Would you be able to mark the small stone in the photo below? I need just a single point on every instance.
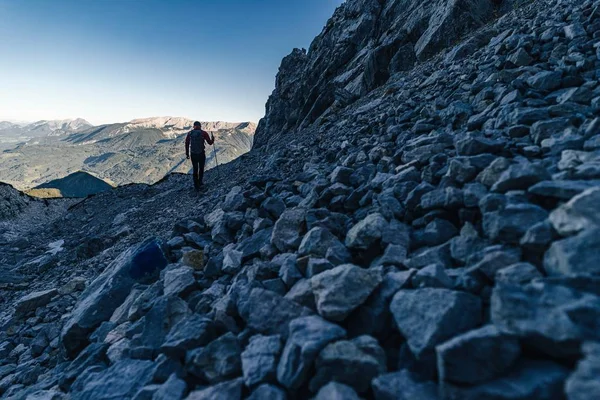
(229, 390)
(545, 80)
(403, 385)
(575, 255)
(74, 285)
(179, 281)
(191, 332)
(173, 389)
(218, 361)
(428, 317)
(194, 258)
(34, 300)
(342, 289)
(564, 190)
(367, 232)
(307, 336)
(574, 31)
(579, 214)
(530, 379)
(517, 274)
(232, 260)
(583, 384)
(433, 276)
(477, 356)
(269, 313)
(316, 242)
(351, 362)
(274, 207)
(512, 222)
(546, 311)
(287, 230)
(520, 58)
(269, 392)
(260, 358)
(336, 391)
(520, 177)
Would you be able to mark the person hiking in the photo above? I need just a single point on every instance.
(194, 148)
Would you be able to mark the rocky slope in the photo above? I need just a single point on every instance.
(436, 239)
(365, 43)
(142, 151)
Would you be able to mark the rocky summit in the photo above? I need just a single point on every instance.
(418, 219)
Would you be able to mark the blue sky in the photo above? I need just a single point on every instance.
(115, 60)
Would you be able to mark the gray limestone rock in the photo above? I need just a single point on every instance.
(307, 336)
(549, 314)
(575, 255)
(477, 356)
(260, 358)
(336, 391)
(583, 384)
(269, 313)
(366, 232)
(340, 290)
(218, 361)
(428, 317)
(351, 362)
(579, 214)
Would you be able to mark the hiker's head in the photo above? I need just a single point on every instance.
(197, 125)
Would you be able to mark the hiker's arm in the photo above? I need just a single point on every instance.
(208, 139)
(187, 146)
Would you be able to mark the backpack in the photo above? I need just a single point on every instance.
(196, 142)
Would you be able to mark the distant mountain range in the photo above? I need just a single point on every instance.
(11, 132)
(139, 151)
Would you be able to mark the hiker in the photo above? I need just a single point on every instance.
(194, 148)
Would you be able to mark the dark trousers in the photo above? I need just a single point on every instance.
(198, 161)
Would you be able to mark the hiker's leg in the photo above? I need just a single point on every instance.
(195, 166)
(201, 161)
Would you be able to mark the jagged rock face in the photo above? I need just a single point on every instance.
(447, 251)
(362, 45)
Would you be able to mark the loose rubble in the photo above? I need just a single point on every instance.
(426, 227)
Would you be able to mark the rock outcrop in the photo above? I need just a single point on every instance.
(362, 45)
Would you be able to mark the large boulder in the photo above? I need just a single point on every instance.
(140, 263)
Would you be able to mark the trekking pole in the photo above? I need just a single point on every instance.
(216, 159)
